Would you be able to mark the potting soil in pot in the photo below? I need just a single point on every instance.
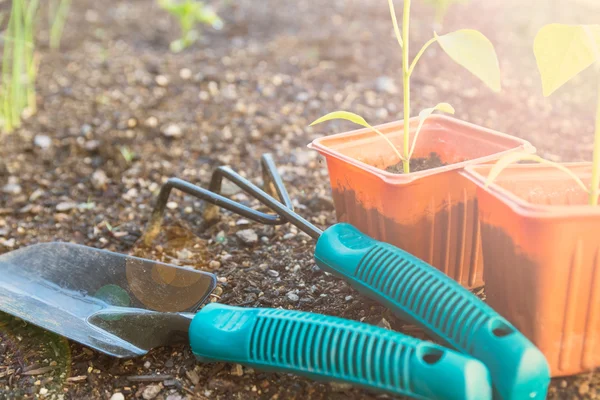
(418, 164)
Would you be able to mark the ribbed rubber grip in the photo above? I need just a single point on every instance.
(421, 294)
(329, 348)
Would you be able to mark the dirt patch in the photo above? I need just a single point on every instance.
(418, 164)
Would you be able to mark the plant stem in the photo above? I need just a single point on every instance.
(406, 84)
(419, 54)
(595, 189)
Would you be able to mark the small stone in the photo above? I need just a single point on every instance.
(384, 324)
(117, 396)
(584, 388)
(132, 123)
(288, 236)
(247, 236)
(65, 206)
(386, 84)
(43, 391)
(171, 205)
(85, 129)
(12, 187)
(172, 131)
(161, 80)
(193, 376)
(292, 296)
(36, 195)
(220, 384)
(151, 391)
(169, 363)
(340, 387)
(92, 145)
(151, 122)
(273, 273)
(237, 370)
(185, 73)
(563, 384)
(174, 396)
(214, 264)
(348, 298)
(147, 364)
(42, 141)
(99, 180)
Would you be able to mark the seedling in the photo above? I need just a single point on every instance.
(188, 14)
(562, 52)
(467, 47)
(127, 154)
(19, 65)
(58, 19)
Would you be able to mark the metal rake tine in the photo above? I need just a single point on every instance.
(216, 201)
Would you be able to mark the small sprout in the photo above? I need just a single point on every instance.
(58, 18)
(562, 52)
(108, 226)
(88, 205)
(188, 14)
(467, 47)
(127, 154)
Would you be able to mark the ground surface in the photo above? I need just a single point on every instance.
(250, 88)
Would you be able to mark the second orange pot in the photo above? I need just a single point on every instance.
(541, 250)
(429, 213)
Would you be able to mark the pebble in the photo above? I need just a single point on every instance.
(151, 122)
(42, 141)
(288, 236)
(92, 145)
(117, 396)
(292, 296)
(185, 73)
(247, 236)
(99, 180)
(172, 131)
(237, 370)
(193, 376)
(584, 388)
(273, 273)
(174, 396)
(65, 206)
(147, 364)
(43, 391)
(214, 264)
(172, 205)
(348, 298)
(386, 84)
(12, 187)
(161, 80)
(384, 324)
(339, 386)
(151, 391)
(36, 195)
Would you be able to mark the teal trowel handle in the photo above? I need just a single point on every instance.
(417, 292)
(335, 349)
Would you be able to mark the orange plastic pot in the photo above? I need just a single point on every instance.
(541, 249)
(428, 213)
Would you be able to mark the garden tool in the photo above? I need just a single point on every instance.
(411, 288)
(124, 306)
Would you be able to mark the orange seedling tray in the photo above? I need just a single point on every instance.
(541, 250)
(430, 213)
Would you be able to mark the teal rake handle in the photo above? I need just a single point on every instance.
(419, 293)
(334, 349)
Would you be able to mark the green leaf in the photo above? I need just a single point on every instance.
(357, 119)
(472, 50)
(444, 107)
(395, 23)
(563, 51)
(512, 158)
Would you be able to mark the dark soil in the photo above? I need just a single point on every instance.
(114, 89)
(418, 164)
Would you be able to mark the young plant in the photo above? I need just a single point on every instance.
(562, 52)
(58, 18)
(19, 64)
(467, 47)
(189, 13)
